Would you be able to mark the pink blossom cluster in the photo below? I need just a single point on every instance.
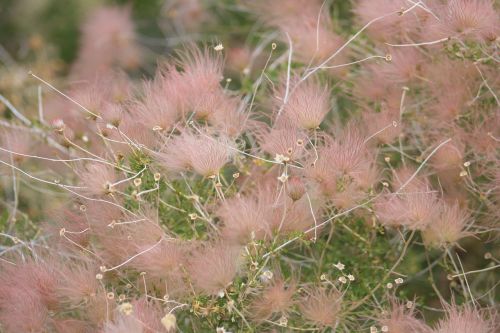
(180, 198)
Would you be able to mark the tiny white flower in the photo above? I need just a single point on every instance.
(342, 279)
(399, 281)
(283, 321)
(340, 266)
(350, 277)
(266, 276)
(389, 285)
(169, 322)
(126, 308)
(279, 158)
(283, 178)
(219, 47)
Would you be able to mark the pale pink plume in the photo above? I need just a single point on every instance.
(142, 230)
(73, 221)
(390, 25)
(403, 67)
(209, 154)
(108, 40)
(275, 299)
(466, 320)
(97, 94)
(205, 103)
(384, 125)
(164, 266)
(453, 85)
(98, 179)
(133, 133)
(40, 279)
(112, 114)
(174, 157)
(413, 182)
(99, 308)
(202, 153)
(372, 85)
(27, 293)
(149, 314)
(295, 216)
(322, 307)
(78, 283)
(285, 141)
(309, 27)
(17, 142)
(213, 267)
(229, 119)
(115, 245)
(482, 139)
(415, 210)
(341, 161)
(307, 105)
(24, 312)
(465, 19)
(401, 319)
(244, 219)
(348, 194)
(448, 162)
(414, 206)
(99, 215)
(202, 70)
(448, 227)
(160, 107)
(313, 43)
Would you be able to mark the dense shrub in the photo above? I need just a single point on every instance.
(308, 166)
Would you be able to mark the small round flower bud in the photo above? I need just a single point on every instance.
(296, 188)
